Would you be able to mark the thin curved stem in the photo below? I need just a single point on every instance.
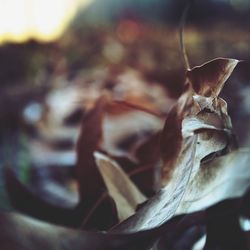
(181, 36)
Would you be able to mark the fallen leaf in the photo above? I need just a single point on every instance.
(124, 192)
(222, 178)
(19, 232)
(187, 138)
(209, 78)
(147, 175)
(163, 205)
(89, 179)
(125, 125)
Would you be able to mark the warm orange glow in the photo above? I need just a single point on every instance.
(44, 20)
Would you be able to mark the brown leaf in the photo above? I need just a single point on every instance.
(171, 137)
(147, 175)
(124, 192)
(20, 232)
(163, 205)
(126, 125)
(89, 179)
(209, 78)
(148, 151)
(117, 107)
(189, 136)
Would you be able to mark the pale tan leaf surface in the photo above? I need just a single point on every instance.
(164, 204)
(124, 192)
(193, 124)
(212, 134)
(225, 177)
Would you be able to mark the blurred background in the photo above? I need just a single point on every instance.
(58, 56)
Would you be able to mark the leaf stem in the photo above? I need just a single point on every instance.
(181, 36)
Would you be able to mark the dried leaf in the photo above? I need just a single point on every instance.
(89, 179)
(126, 125)
(19, 232)
(209, 78)
(148, 151)
(188, 137)
(225, 177)
(148, 175)
(117, 106)
(124, 192)
(212, 135)
(171, 138)
(163, 205)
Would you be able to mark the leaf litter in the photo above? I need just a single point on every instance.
(147, 168)
(197, 167)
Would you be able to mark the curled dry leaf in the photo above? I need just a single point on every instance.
(88, 212)
(163, 205)
(209, 78)
(213, 137)
(19, 232)
(124, 192)
(189, 136)
(195, 127)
